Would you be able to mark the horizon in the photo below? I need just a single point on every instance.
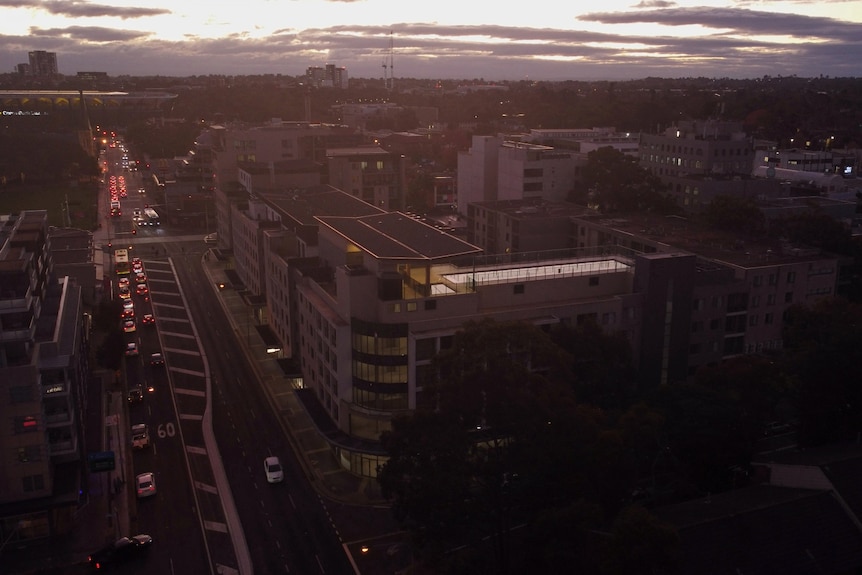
(737, 39)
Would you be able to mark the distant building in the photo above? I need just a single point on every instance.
(43, 63)
(329, 77)
(495, 168)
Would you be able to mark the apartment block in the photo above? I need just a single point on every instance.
(42, 63)
(495, 168)
(43, 370)
(277, 143)
(369, 173)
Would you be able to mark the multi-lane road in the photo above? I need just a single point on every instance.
(210, 429)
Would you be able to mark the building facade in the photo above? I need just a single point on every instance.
(369, 173)
(42, 63)
(43, 370)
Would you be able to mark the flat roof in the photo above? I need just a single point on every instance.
(302, 205)
(395, 235)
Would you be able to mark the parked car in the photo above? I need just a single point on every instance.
(123, 549)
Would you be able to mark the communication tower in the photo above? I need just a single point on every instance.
(389, 65)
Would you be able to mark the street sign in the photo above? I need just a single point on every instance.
(101, 461)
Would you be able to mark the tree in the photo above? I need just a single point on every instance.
(823, 355)
(505, 440)
(602, 364)
(615, 182)
(736, 214)
(816, 229)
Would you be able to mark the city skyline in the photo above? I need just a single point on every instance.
(614, 40)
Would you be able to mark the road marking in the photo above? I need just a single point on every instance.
(188, 371)
(191, 417)
(215, 526)
(197, 450)
(204, 487)
(194, 392)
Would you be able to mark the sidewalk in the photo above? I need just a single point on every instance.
(326, 474)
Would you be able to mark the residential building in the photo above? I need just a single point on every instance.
(369, 173)
(528, 225)
(495, 168)
(235, 145)
(43, 63)
(43, 368)
(329, 77)
(698, 148)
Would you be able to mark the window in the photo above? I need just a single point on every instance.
(770, 299)
(518, 289)
(33, 483)
(755, 301)
(696, 326)
(767, 319)
(425, 348)
(758, 281)
(26, 424)
(752, 320)
(773, 279)
(791, 277)
(714, 324)
(21, 393)
(788, 297)
(430, 304)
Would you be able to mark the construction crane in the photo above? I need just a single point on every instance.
(389, 65)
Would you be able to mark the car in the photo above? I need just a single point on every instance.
(138, 268)
(136, 394)
(142, 289)
(145, 484)
(156, 359)
(140, 278)
(272, 468)
(123, 282)
(125, 292)
(140, 436)
(211, 238)
(123, 549)
(142, 191)
(129, 326)
(128, 304)
(148, 319)
(131, 349)
(137, 261)
(127, 314)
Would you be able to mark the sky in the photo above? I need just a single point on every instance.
(441, 39)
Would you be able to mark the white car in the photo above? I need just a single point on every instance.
(146, 484)
(273, 469)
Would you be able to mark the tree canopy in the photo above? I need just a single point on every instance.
(615, 182)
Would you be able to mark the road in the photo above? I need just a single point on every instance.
(198, 523)
(286, 525)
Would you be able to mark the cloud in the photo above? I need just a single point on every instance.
(97, 34)
(654, 4)
(739, 20)
(740, 45)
